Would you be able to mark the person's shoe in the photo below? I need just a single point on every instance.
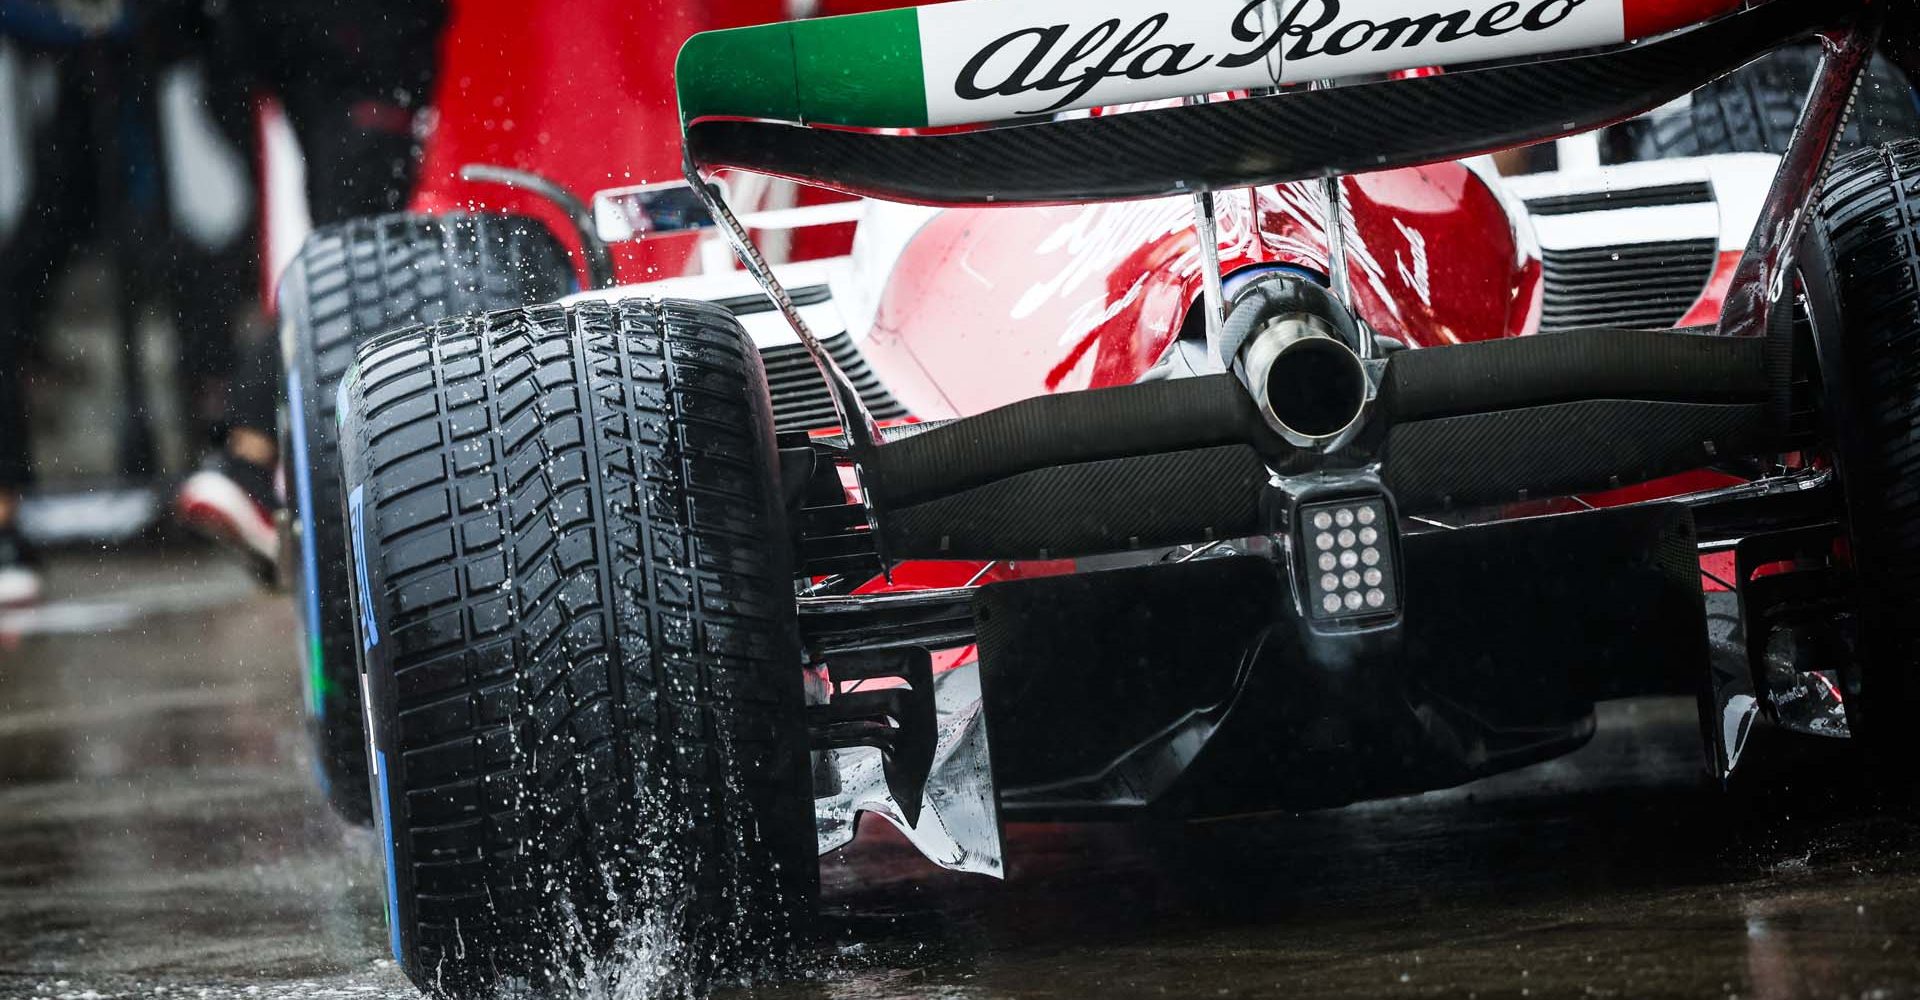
(19, 570)
(233, 502)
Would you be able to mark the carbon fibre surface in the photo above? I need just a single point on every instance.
(1172, 415)
(1212, 493)
(1105, 506)
(1584, 364)
(1265, 140)
(1046, 432)
(1564, 448)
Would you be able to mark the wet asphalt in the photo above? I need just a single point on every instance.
(160, 836)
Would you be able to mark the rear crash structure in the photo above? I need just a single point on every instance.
(622, 655)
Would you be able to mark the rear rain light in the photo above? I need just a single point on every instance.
(1348, 555)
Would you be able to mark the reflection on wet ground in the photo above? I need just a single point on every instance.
(159, 836)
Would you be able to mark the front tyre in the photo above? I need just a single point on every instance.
(574, 592)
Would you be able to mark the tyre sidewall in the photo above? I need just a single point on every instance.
(329, 671)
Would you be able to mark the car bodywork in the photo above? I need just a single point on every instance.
(1049, 537)
(1126, 546)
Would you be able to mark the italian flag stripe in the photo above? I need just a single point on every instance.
(995, 60)
(859, 69)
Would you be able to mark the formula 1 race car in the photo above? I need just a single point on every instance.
(1209, 455)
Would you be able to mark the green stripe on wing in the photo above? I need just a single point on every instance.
(860, 69)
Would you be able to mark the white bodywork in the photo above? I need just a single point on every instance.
(1739, 182)
(856, 281)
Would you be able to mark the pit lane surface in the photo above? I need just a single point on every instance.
(160, 837)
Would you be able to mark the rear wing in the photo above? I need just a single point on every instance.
(990, 60)
(756, 98)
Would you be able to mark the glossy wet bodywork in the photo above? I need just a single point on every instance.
(159, 831)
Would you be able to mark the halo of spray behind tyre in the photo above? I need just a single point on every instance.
(574, 590)
(348, 283)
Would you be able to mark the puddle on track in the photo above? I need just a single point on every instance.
(160, 837)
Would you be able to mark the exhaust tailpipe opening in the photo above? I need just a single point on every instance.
(1316, 388)
(1310, 386)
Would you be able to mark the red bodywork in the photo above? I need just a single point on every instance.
(580, 93)
(991, 305)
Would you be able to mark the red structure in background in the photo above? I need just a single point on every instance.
(581, 93)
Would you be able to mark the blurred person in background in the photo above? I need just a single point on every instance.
(49, 175)
(133, 123)
(353, 77)
(122, 126)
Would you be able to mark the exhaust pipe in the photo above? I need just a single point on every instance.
(1309, 385)
(1292, 345)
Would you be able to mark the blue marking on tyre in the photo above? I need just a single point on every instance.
(356, 513)
(315, 675)
(384, 820)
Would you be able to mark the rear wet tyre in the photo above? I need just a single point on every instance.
(1754, 110)
(1868, 228)
(575, 593)
(348, 283)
